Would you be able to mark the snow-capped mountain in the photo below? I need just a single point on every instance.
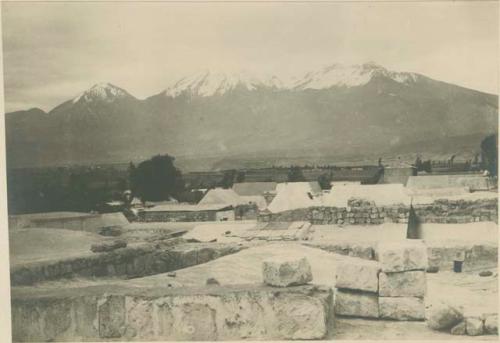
(102, 91)
(338, 75)
(337, 110)
(208, 83)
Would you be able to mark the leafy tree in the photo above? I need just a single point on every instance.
(156, 179)
(489, 154)
(295, 174)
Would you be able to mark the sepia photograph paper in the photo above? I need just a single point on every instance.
(258, 171)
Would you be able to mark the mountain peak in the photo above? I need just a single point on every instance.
(208, 83)
(103, 91)
(340, 75)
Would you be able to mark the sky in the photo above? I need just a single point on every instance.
(54, 51)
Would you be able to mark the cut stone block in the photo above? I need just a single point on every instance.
(474, 326)
(284, 272)
(356, 304)
(403, 284)
(402, 256)
(357, 274)
(458, 329)
(442, 316)
(491, 324)
(111, 316)
(402, 308)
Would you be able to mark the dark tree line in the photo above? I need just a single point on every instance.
(156, 179)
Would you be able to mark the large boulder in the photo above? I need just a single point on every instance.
(356, 304)
(474, 326)
(401, 256)
(284, 272)
(442, 316)
(491, 324)
(357, 274)
(404, 284)
(402, 308)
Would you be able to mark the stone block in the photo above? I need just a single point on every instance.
(474, 326)
(356, 304)
(402, 308)
(442, 316)
(357, 274)
(111, 316)
(491, 324)
(284, 272)
(402, 256)
(402, 284)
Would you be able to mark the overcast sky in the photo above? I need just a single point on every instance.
(53, 51)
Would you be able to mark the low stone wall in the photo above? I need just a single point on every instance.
(128, 262)
(393, 287)
(68, 221)
(254, 312)
(441, 211)
(439, 254)
(177, 216)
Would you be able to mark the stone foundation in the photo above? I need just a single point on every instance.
(126, 262)
(214, 313)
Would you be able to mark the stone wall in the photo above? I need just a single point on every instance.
(253, 312)
(365, 213)
(439, 255)
(126, 262)
(177, 216)
(68, 221)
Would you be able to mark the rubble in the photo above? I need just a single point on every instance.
(474, 326)
(442, 316)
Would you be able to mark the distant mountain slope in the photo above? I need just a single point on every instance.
(336, 111)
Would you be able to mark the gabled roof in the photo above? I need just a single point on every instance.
(293, 195)
(254, 188)
(382, 195)
(230, 197)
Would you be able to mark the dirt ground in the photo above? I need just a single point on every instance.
(37, 244)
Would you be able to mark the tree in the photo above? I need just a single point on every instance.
(489, 154)
(156, 179)
(295, 174)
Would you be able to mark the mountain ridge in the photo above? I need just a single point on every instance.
(361, 109)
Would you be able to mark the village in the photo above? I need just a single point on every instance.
(268, 260)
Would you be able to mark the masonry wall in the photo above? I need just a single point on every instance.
(253, 312)
(127, 262)
(178, 216)
(364, 213)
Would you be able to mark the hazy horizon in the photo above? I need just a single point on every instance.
(54, 51)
